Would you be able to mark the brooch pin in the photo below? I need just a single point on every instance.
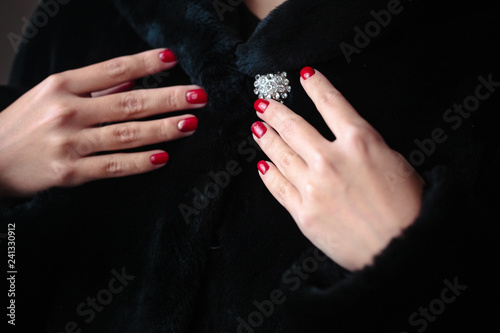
(275, 86)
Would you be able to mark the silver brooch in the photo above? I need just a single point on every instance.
(275, 86)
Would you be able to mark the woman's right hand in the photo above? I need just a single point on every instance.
(50, 136)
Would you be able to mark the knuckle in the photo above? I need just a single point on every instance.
(274, 113)
(55, 82)
(114, 167)
(359, 139)
(132, 104)
(268, 142)
(306, 221)
(330, 97)
(165, 129)
(135, 166)
(65, 149)
(116, 68)
(84, 147)
(65, 174)
(124, 134)
(320, 162)
(61, 113)
(282, 189)
(173, 99)
(310, 190)
(314, 193)
(289, 126)
(150, 64)
(288, 158)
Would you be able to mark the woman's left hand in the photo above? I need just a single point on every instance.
(350, 197)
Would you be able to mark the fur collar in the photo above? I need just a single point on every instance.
(282, 41)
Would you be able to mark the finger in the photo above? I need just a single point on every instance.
(337, 112)
(118, 165)
(113, 72)
(289, 163)
(293, 129)
(135, 134)
(281, 189)
(141, 103)
(127, 86)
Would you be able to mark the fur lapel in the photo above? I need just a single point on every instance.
(282, 41)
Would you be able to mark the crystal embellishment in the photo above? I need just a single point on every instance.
(275, 86)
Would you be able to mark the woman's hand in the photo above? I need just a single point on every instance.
(342, 194)
(50, 135)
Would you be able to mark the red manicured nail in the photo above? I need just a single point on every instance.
(188, 125)
(196, 96)
(261, 105)
(259, 129)
(167, 56)
(159, 159)
(307, 72)
(263, 167)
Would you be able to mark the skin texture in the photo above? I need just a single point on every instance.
(341, 194)
(49, 136)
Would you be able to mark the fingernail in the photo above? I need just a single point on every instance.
(188, 124)
(263, 167)
(259, 129)
(307, 72)
(159, 159)
(196, 96)
(261, 105)
(167, 56)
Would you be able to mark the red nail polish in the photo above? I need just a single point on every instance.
(261, 105)
(196, 96)
(259, 129)
(167, 56)
(188, 125)
(263, 167)
(307, 72)
(159, 159)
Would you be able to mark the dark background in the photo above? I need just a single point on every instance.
(11, 14)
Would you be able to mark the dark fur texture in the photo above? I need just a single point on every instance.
(202, 276)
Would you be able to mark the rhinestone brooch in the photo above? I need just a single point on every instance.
(275, 86)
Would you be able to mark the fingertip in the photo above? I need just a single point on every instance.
(160, 158)
(263, 167)
(187, 125)
(167, 56)
(261, 105)
(259, 129)
(307, 72)
(197, 96)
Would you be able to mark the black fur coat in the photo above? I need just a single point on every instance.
(200, 245)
